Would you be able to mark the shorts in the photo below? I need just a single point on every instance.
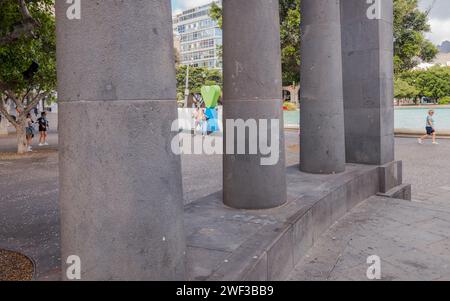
(430, 130)
(42, 129)
(29, 133)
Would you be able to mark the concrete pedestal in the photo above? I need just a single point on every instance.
(367, 52)
(252, 91)
(322, 142)
(120, 183)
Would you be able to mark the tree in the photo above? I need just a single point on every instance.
(216, 13)
(198, 77)
(410, 44)
(27, 58)
(433, 82)
(290, 40)
(403, 90)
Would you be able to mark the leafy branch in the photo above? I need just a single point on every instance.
(25, 27)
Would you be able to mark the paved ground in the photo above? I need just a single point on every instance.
(426, 167)
(29, 211)
(9, 143)
(411, 239)
(29, 219)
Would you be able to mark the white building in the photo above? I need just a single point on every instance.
(199, 37)
(442, 59)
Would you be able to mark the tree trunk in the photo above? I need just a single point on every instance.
(21, 139)
(3, 120)
(3, 126)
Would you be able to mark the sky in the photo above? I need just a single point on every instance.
(439, 20)
(439, 16)
(180, 5)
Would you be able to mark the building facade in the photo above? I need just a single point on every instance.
(199, 36)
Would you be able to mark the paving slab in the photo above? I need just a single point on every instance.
(412, 245)
(425, 166)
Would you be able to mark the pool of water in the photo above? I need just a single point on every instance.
(291, 118)
(415, 118)
(409, 118)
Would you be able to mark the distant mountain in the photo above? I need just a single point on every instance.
(445, 47)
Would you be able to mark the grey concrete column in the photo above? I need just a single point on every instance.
(367, 52)
(252, 91)
(322, 142)
(120, 183)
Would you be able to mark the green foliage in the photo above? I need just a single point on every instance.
(403, 90)
(433, 82)
(216, 14)
(444, 100)
(290, 40)
(289, 106)
(38, 46)
(27, 58)
(198, 77)
(410, 44)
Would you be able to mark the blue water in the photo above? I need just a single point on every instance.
(415, 118)
(291, 118)
(410, 118)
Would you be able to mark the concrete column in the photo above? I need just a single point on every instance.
(367, 53)
(252, 91)
(322, 142)
(120, 183)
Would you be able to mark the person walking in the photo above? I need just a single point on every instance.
(201, 118)
(431, 132)
(43, 128)
(29, 131)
